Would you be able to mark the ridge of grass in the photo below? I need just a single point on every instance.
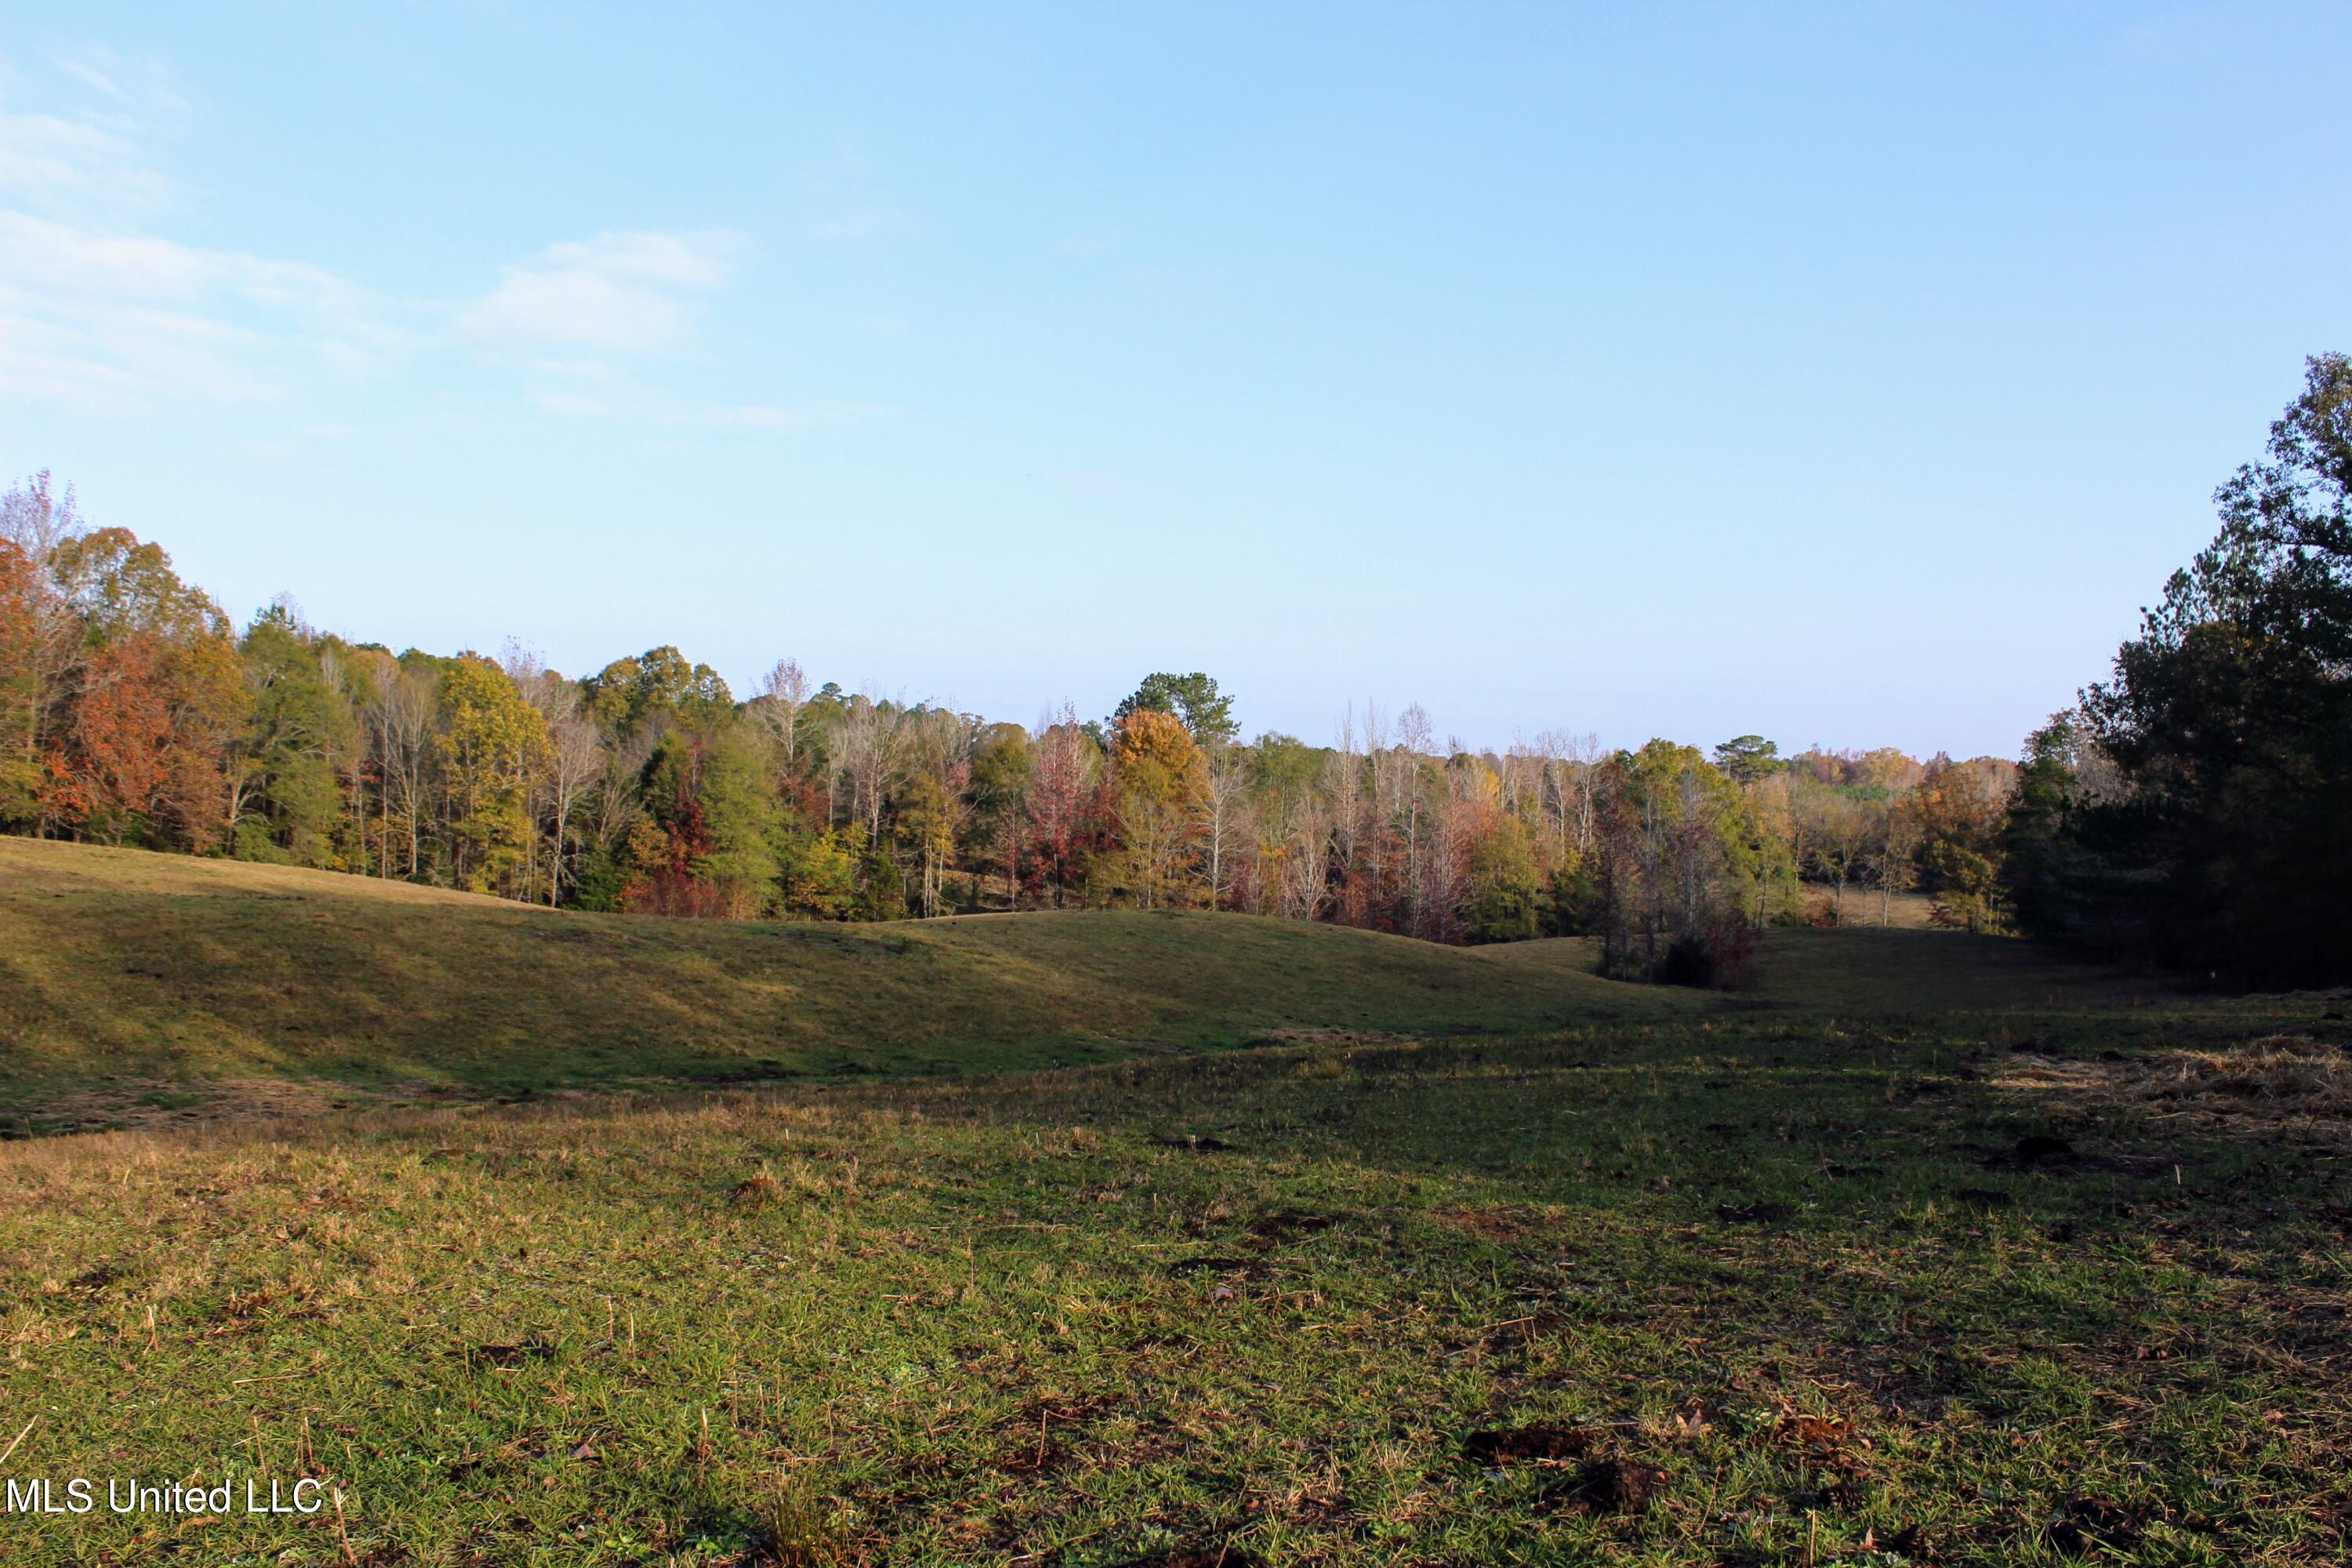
(130, 981)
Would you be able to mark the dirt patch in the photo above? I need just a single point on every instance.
(2089, 1523)
(152, 1103)
(1607, 1486)
(1218, 1556)
(1275, 1229)
(1818, 1433)
(759, 1191)
(1332, 1038)
(1529, 1446)
(1507, 1222)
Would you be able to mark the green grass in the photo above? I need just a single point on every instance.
(1050, 1319)
(1809, 1264)
(273, 990)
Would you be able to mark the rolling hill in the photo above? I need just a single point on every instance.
(136, 986)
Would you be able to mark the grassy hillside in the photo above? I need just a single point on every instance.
(1931, 1248)
(134, 985)
(1762, 1287)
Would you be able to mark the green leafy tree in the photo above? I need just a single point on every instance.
(489, 739)
(742, 821)
(659, 685)
(2225, 844)
(1193, 699)
(818, 875)
(296, 726)
(1749, 758)
(1000, 774)
(1505, 884)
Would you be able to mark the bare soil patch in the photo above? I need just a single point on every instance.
(149, 1103)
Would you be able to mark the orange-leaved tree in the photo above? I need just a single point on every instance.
(1162, 773)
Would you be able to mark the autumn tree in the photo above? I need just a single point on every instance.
(1062, 774)
(1206, 713)
(1002, 769)
(1671, 868)
(45, 636)
(1504, 884)
(489, 740)
(1841, 828)
(21, 687)
(1161, 774)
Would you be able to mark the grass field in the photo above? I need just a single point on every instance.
(136, 987)
(1934, 1250)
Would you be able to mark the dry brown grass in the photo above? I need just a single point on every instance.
(2274, 1078)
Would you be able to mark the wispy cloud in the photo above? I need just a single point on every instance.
(115, 323)
(92, 77)
(98, 312)
(620, 292)
(95, 314)
(846, 205)
(52, 160)
(805, 416)
(567, 392)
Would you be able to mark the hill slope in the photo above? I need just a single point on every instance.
(133, 983)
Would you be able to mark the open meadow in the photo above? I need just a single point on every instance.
(1167, 786)
(1930, 1249)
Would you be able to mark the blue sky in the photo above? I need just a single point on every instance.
(1850, 374)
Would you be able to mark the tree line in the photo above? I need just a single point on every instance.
(2193, 811)
(134, 712)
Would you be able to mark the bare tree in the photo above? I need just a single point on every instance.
(1158, 832)
(1306, 858)
(575, 760)
(1899, 834)
(1223, 801)
(36, 522)
(399, 717)
(783, 692)
(866, 751)
(1841, 829)
(1414, 737)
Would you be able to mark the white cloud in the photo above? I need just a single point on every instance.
(700, 261)
(569, 403)
(767, 416)
(97, 315)
(115, 323)
(98, 312)
(55, 159)
(90, 76)
(618, 292)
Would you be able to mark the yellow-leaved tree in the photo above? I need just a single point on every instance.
(491, 742)
(1162, 773)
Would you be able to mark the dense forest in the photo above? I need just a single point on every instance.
(2191, 811)
(2194, 810)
